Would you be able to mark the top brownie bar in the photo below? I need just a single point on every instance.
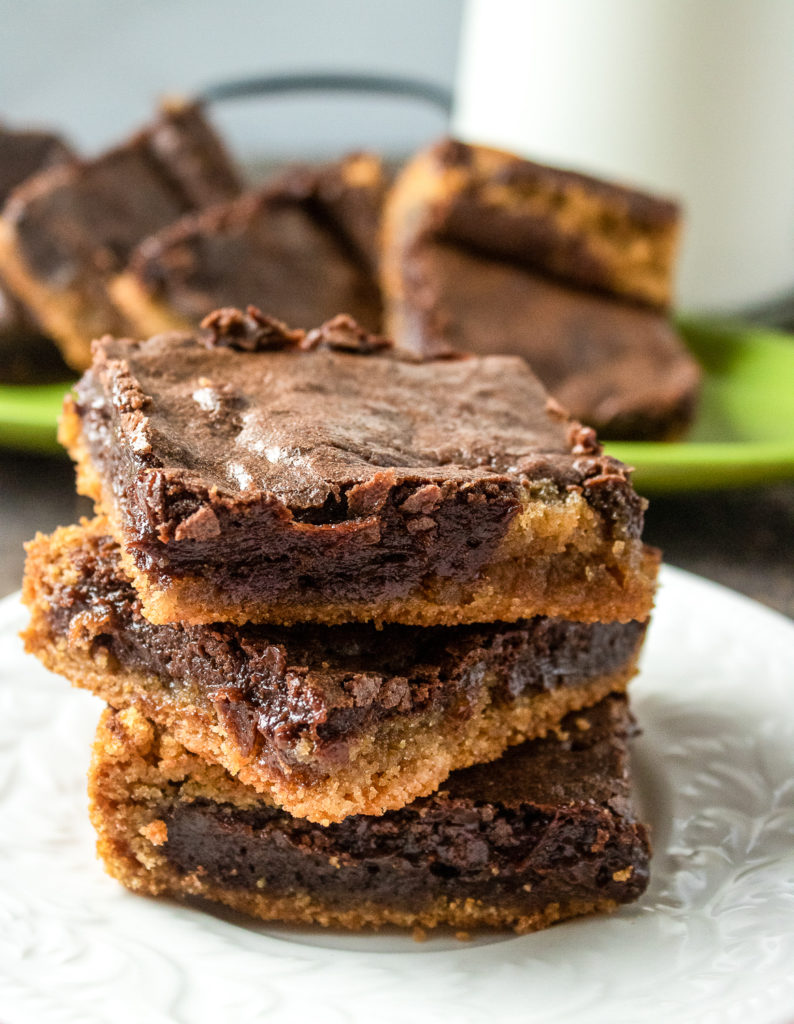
(254, 473)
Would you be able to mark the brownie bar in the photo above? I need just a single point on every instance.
(253, 473)
(586, 231)
(618, 367)
(302, 248)
(475, 259)
(546, 833)
(330, 720)
(24, 153)
(65, 232)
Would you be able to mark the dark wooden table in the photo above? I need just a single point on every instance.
(744, 539)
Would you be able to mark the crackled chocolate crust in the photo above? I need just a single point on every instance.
(330, 720)
(302, 248)
(486, 253)
(545, 833)
(259, 474)
(66, 231)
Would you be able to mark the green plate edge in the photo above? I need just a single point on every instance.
(743, 434)
(29, 416)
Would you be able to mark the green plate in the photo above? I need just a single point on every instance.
(29, 416)
(743, 434)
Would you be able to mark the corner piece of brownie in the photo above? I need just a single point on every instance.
(546, 833)
(253, 473)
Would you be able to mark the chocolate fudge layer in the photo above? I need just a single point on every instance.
(329, 720)
(302, 248)
(65, 232)
(253, 473)
(546, 833)
(24, 153)
(484, 252)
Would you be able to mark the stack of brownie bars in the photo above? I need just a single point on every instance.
(363, 621)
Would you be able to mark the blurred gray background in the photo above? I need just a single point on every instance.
(94, 68)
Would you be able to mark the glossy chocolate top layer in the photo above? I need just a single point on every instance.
(249, 407)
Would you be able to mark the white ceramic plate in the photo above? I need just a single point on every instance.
(712, 940)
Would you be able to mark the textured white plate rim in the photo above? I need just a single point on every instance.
(713, 939)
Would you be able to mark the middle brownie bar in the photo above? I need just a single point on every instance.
(328, 720)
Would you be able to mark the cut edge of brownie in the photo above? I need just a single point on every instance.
(620, 586)
(612, 580)
(168, 823)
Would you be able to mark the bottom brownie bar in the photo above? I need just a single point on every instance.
(545, 833)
